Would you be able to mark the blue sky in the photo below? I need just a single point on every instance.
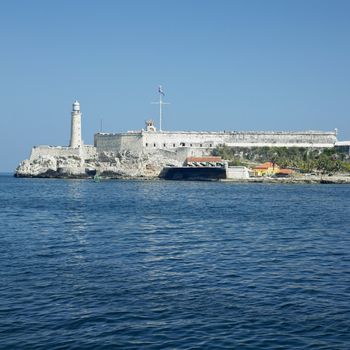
(224, 65)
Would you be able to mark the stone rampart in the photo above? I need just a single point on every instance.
(118, 142)
(180, 154)
(213, 139)
(86, 152)
(53, 151)
(89, 151)
(203, 142)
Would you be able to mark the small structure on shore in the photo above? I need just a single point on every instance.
(237, 173)
(266, 169)
(204, 161)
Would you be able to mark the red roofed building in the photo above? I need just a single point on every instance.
(204, 159)
(266, 169)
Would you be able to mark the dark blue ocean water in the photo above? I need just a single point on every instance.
(173, 265)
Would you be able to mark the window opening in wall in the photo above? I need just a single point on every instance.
(191, 144)
(154, 145)
(173, 144)
(211, 145)
(146, 144)
(182, 144)
(164, 145)
(200, 145)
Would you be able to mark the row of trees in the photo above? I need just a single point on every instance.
(305, 159)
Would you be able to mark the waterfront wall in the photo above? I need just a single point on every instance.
(237, 172)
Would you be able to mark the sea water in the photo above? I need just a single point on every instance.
(173, 265)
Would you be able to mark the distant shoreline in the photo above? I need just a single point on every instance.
(301, 179)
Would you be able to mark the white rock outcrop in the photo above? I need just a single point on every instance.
(106, 164)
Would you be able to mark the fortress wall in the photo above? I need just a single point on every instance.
(136, 143)
(180, 154)
(166, 140)
(323, 139)
(53, 151)
(118, 142)
(200, 143)
(87, 151)
(169, 140)
(280, 144)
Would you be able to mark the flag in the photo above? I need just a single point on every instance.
(160, 90)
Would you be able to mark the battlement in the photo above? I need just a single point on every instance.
(151, 141)
(85, 151)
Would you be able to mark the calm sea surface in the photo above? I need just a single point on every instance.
(173, 265)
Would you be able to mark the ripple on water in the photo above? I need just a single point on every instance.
(155, 265)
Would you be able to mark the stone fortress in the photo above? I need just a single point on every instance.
(146, 152)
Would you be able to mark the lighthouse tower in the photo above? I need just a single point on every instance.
(75, 136)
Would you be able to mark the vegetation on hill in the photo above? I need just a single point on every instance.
(305, 159)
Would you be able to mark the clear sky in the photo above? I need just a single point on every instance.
(224, 65)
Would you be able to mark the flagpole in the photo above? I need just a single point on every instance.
(160, 111)
(161, 103)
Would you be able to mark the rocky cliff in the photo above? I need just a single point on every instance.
(106, 164)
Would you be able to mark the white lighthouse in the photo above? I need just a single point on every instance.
(75, 136)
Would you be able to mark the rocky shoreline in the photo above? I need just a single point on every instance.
(107, 165)
(300, 179)
(334, 179)
(129, 166)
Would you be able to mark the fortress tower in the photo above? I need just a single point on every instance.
(75, 136)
